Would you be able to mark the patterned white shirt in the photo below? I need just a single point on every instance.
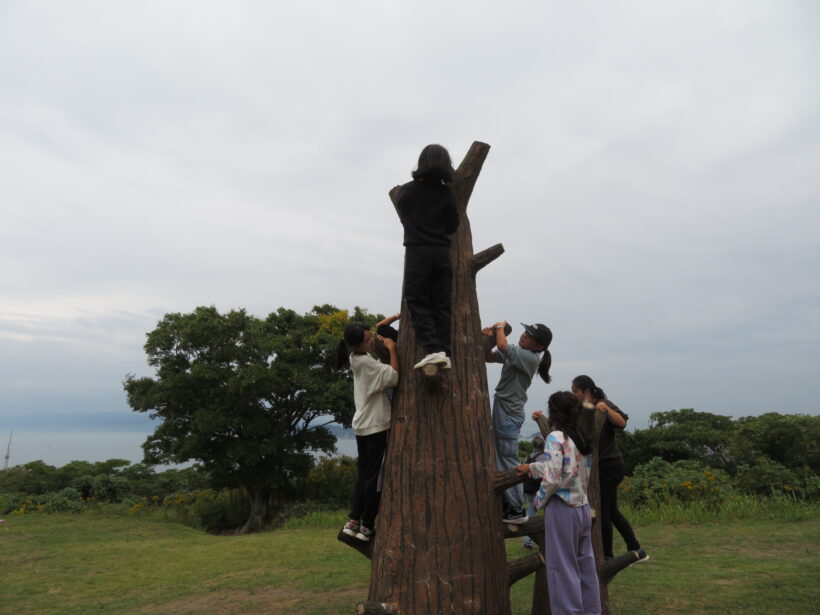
(564, 473)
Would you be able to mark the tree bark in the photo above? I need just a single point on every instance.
(524, 566)
(260, 499)
(439, 545)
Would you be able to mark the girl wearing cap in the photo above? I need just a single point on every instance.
(611, 467)
(521, 361)
(371, 420)
(571, 574)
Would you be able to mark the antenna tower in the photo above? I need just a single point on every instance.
(8, 452)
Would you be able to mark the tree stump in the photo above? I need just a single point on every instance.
(439, 545)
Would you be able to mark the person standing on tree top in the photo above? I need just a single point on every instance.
(521, 362)
(427, 209)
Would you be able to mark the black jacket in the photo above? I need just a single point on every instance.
(608, 452)
(427, 209)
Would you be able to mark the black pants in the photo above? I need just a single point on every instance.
(365, 503)
(610, 476)
(428, 282)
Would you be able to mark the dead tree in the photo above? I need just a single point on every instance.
(439, 545)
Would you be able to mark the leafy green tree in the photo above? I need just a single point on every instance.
(35, 477)
(790, 440)
(677, 435)
(247, 398)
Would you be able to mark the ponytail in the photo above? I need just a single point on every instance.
(585, 383)
(342, 356)
(544, 367)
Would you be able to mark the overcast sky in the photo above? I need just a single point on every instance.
(653, 177)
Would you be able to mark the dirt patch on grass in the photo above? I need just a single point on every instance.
(275, 601)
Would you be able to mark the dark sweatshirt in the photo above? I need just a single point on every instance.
(427, 209)
(608, 452)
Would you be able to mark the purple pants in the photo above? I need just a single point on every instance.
(571, 574)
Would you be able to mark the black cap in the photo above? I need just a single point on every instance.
(540, 333)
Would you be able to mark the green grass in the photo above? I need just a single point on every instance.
(112, 564)
(733, 508)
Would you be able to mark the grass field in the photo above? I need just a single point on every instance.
(108, 564)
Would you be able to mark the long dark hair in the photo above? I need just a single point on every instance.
(585, 383)
(434, 164)
(352, 337)
(564, 415)
(544, 367)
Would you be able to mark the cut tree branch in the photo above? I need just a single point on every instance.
(506, 478)
(468, 170)
(520, 568)
(376, 608)
(488, 341)
(394, 197)
(485, 257)
(534, 526)
(616, 564)
(365, 548)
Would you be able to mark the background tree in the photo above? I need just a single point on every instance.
(677, 435)
(791, 440)
(247, 398)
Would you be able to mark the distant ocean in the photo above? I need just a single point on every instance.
(59, 439)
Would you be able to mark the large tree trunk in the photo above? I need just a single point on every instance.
(439, 546)
(260, 500)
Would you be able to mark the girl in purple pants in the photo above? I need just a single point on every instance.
(571, 575)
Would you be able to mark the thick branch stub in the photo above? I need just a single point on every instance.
(394, 197)
(524, 566)
(505, 479)
(485, 257)
(365, 548)
(616, 564)
(488, 341)
(376, 608)
(533, 526)
(469, 170)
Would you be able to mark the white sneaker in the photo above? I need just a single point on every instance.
(437, 358)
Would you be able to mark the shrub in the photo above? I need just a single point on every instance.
(65, 500)
(683, 481)
(208, 510)
(330, 482)
(11, 501)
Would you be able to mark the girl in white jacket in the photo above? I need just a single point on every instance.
(371, 422)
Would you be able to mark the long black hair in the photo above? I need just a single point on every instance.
(352, 337)
(544, 366)
(434, 164)
(564, 415)
(585, 383)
